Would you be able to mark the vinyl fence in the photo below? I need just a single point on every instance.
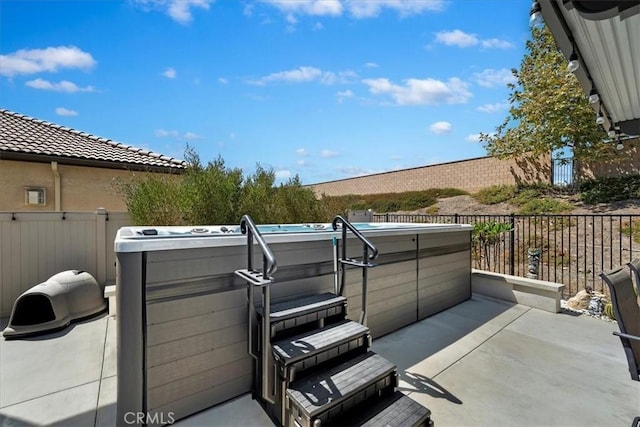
(36, 245)
(574, 248)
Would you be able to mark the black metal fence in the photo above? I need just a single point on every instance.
(575, 248)
(563, 172)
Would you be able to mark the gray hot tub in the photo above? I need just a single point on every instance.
(182, 313)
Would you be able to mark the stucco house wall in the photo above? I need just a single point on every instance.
(73, 170)
(80, 188)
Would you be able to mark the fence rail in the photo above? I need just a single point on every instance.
(575, 248)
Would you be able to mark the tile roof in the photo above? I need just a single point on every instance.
(26, 135)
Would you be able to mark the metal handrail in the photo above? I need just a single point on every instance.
(357, 233)
(367, 245)
(269, 266)
(248, 227)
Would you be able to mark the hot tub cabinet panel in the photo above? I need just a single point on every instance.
(182, 328)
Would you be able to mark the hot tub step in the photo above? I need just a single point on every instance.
(295, 312)
(325, 395)
(394, 410)
(310, 349)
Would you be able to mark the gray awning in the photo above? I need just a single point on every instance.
(606, 37)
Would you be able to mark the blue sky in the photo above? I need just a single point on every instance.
(326, 89)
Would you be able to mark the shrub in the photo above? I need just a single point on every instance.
(495, 194)
(612, 189)
(215, 194)
(486, 237)
(388, 202)
(525, 195)
(154, 199)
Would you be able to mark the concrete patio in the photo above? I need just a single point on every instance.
(483, 362)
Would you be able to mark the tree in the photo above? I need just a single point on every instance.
(216, 194)
(212, 191)
(549, 110)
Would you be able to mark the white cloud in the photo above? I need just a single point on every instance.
(317, 26)
(371, 65)
(497, 44)
(299, 75)
(223, 81)
(461, 39)
(302, 152)
(179, 10)
(291, 19)
(473, 137)
(359, 9)
(302, 163)
(440, 128)
(493, 108)
(163, 133)
(351, 171)
(61, 86)
(492, 78)
(61, 111)
(191, 136)
(169, 73)
(421, 92)
(329, 153)
(372, 8)
(309, 7)
(283, 174)
(342, 95)
(306, 74)
(457, 38)
(51, 59)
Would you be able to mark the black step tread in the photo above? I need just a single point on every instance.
(320, 391)
(394, 410)
(304, 305)
(307, 344)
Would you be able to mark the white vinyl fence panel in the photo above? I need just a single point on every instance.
(36, 245)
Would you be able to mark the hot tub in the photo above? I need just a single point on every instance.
(182, 313)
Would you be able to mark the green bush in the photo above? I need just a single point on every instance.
(215, 194)
(154, 199)
(525, 195)
(495, 194)
(612, 189)
(485, 238)
(388, 202)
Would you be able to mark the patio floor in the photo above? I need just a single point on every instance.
(483, 362)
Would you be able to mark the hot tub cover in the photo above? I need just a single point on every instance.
(54, 304)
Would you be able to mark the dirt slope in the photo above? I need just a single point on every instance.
(467, 205)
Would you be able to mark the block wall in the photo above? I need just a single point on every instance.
(470, 175)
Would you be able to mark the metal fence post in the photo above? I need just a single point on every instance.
(512, 244)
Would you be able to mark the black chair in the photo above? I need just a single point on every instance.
(634, 266)
(627, 312)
